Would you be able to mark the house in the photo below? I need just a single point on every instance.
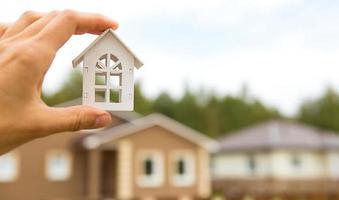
(277, 157)
(150, 157)
(108, 68)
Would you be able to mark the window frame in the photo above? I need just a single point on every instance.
(69, 158)
(106, 70)
(296, 160)
(155, 180)
(252, 164)
(189, 178)
(16, 158)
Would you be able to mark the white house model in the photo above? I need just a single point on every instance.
(108, 66)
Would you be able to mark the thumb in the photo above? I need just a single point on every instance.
(76, 118)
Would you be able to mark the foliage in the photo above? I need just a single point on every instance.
(322, 112)
(71, 89)
(207, 113)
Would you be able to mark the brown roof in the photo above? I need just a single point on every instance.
(279, 134)
(103, 136)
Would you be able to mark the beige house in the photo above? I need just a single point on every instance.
(277, 157)
(150, 157)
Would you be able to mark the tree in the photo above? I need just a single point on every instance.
(322, 112)
(142, 104)
(164, 104)
(71, 89)
(204, 111)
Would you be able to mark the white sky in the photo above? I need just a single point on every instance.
(284, 50)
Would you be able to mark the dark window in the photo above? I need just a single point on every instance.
(296, 161)
(148, 167)
(251, 164)
(181, 167)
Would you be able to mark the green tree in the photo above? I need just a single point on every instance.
(212, 118)
(322, 112)
(164, 104)
(189, 112)
(142, 104)
(204, 111)
(71, 89)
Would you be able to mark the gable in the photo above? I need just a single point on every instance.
(109, 44)
(156, 137)
(110, 33)
(106, 136)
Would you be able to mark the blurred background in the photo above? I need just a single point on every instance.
(258, 76)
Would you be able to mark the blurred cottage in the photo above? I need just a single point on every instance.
(278, 158)
(150, 157)
(154, 157)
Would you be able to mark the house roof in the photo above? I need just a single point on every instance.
(76, 61)
(125, 115)
(279, 134)
(107, 135)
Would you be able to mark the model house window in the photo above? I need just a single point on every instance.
(151, 172)
(252, 165)
(58, 165)
(9, 165)
(183, 168)
(108, 75)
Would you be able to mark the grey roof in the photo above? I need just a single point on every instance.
(279, 134)
(125, 115)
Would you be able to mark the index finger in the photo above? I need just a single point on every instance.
(68, 23)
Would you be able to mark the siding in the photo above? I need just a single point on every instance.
(276, 164)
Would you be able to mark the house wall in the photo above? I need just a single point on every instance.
(166, 143)
(312, 164)
(332, 158)
(229, 165)
(32, 183)
(275, 164)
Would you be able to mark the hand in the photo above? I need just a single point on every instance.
(27, 48)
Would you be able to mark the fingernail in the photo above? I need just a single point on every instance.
(102, 120)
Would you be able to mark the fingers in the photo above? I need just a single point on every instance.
(39, 24)
(76, 118)
(25, 20)
(67, 23)
(3, 28)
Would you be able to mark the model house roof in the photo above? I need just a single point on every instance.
(107, 135)
(279, 134)
(137, 62)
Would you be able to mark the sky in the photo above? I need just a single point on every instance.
(284, 51)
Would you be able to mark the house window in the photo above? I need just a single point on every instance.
(58, 165)
(183, 168)
(296, 161)
(108, 79)
(9, 164)
(150, 169)
(251, 163)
